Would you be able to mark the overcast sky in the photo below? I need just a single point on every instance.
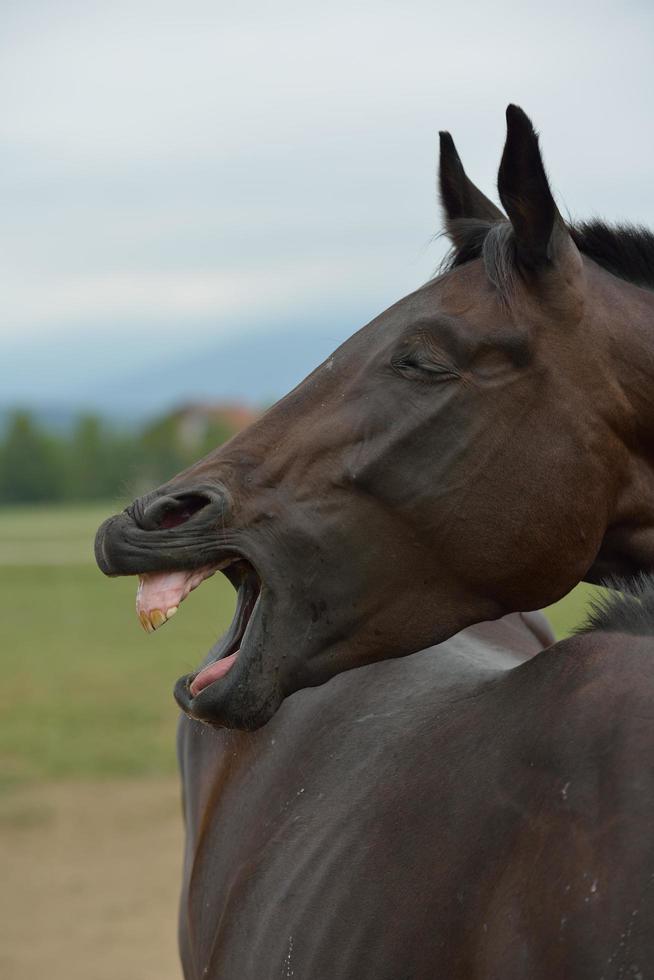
(172, 173)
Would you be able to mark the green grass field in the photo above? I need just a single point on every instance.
(85, 691)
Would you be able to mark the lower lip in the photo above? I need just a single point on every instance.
(212, 673)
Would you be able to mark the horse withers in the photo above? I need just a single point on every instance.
(475, 450)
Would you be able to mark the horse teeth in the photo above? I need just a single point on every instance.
(145, 622)
(157, 618)
(153, 620)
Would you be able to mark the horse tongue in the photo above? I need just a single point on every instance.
(212, 673)
(159, 594)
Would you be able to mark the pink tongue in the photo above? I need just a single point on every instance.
(212, 673)
(165, 590)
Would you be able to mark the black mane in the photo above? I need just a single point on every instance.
(627, 608)
(625, 250)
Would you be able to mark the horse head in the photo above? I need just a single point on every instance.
(478, 448)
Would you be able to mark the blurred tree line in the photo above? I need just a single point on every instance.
(94, 461)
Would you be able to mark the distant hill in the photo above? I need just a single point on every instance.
(250, 368)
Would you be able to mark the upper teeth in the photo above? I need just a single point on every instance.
(156, 618)
(160, 593)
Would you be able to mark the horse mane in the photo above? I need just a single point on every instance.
(627, 608)
(627, 251)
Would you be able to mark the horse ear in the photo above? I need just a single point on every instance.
(459, 196)
(525, 193)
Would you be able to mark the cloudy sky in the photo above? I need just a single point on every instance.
(179, 175)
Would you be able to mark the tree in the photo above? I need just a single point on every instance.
(30, 463)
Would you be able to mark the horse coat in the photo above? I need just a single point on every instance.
(477, 810)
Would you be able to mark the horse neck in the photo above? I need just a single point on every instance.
(631, 331)
(627, 314)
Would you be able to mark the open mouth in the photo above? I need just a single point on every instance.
(160, 594)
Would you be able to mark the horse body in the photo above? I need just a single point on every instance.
(475, 450)
(447, 815)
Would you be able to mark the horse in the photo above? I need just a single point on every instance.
(390, 770)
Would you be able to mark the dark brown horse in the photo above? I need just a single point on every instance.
(475, 450)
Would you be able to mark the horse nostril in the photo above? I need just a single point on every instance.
(182, 509)
(171, 511)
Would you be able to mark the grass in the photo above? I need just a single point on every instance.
(85, 692)
(58, 535)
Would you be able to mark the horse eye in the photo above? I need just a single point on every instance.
(417, 366)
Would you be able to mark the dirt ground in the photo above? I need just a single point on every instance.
(89, 879)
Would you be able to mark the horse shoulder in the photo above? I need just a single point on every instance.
(577, 874)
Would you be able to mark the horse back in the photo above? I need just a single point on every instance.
(449, 814)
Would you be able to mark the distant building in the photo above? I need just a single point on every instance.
(194, 423)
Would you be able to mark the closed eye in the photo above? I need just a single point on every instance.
(418, 366)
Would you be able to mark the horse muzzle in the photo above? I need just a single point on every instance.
(179, 530)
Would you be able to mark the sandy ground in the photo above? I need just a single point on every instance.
(89, 874)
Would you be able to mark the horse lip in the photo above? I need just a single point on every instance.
(251, 712)
(124, 548)
(102, 557)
